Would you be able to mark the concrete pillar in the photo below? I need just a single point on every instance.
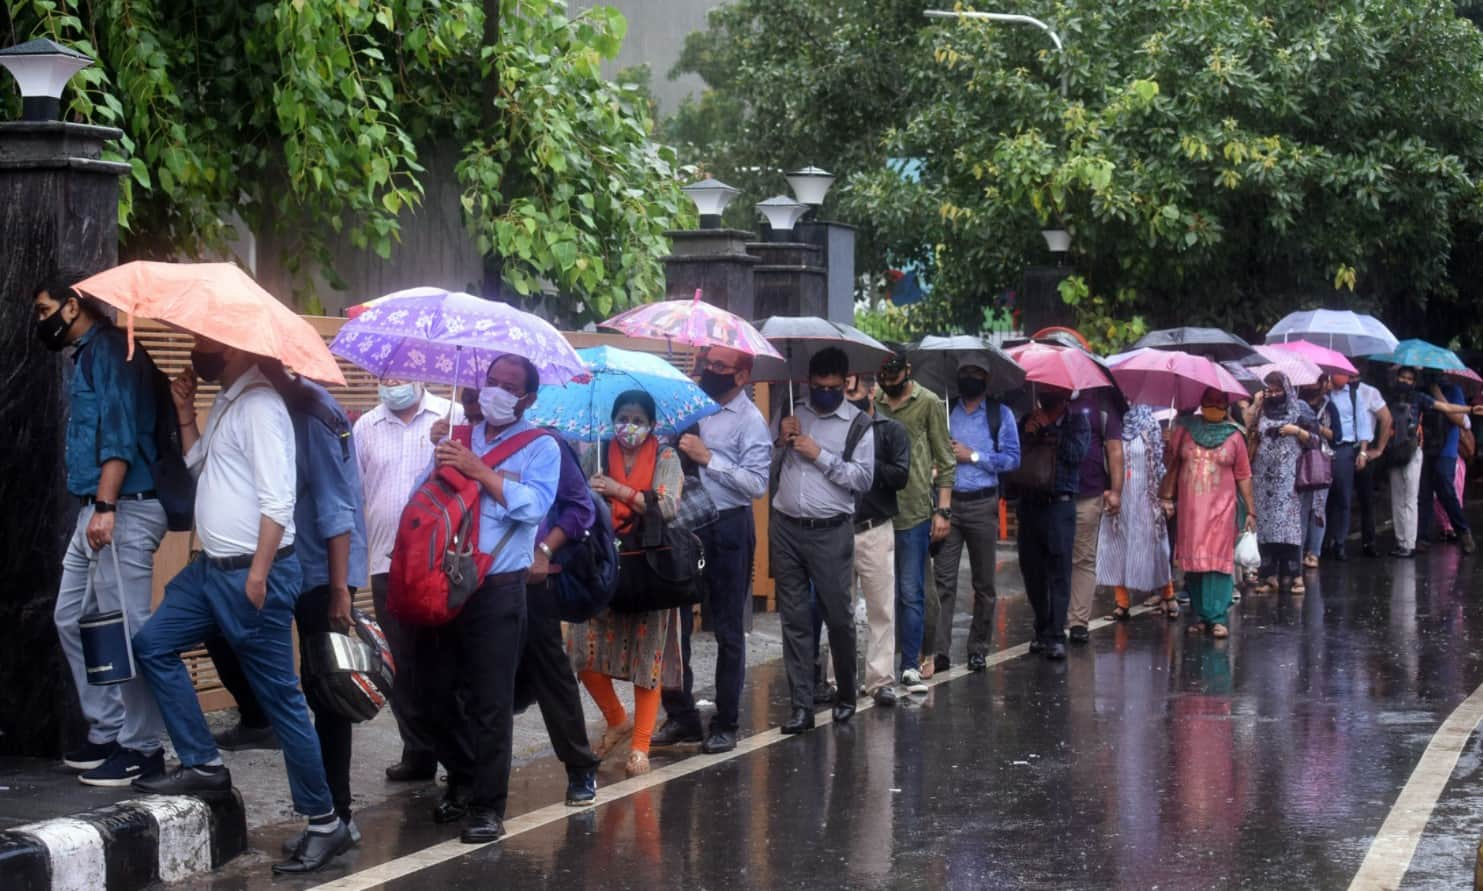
(717, 263)
(837, 240)
(791, 279)
(58, 208)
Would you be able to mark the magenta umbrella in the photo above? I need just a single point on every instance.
(1061, 367)
(1172, 379)
(1329, 360)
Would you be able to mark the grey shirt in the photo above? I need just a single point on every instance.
(741, 454)
(826, 487)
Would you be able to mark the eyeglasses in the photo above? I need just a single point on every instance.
(716, 366)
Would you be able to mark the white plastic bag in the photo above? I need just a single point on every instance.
(1248, 555)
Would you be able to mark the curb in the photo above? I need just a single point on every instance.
(125, 846)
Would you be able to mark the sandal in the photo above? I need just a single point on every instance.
(1310, 561)
(1265, 586)
(928, 668)
(1195, 628)
(1171, 609)
(1155, 600)
(1220, 631)
(1120, 614)
(637, 764)
(612, 738)
(1297, 587)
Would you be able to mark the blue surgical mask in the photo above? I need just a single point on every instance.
(825, 400)
(399, 397)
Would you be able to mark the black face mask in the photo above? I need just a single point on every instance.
(52, 330)
(863, 403)
(825, 400)
(715, 384)
(208, 366)
(1402, 389)
(895, 390)
(970, 387)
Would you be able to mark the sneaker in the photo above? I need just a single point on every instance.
(90, 756)
(977, 662)
(911, 679)
(239, 737)
(1079, 634)
(1465, 541)
(1182, 597)
(1402, 553)
(581, 787)
(885, 696)
(123, 767)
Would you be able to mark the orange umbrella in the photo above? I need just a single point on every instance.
(219, 301)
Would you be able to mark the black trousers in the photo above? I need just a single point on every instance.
(410, 713)
(1364, 493)
(477, 654)
(1046, 535)
(545, 677)
(312, 615)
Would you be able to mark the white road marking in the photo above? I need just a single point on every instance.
(1394, 845)
(75, 849)
(528, 822)
(185, 834)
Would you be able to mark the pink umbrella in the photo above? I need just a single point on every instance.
(1302, 372)
(1172, 379)
(1467, 378)
(1329, 360)
(1061, 367)
(694, 323)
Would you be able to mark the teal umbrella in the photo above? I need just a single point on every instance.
(1420, 354)
(584, 410)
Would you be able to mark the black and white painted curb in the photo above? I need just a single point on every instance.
(125, 846)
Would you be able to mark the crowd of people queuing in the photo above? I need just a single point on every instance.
(877, 486)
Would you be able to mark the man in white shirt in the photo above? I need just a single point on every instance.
(394, 446)
(1363, 418)
(243, 586)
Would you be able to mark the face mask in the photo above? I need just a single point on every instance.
(52, 330)
(862, 403)
(208, 366)
(631, 436)
(400, 397)
(1340, 381)
(825, 400)
(715, 384)
(498, 405)
(970, 387)
(895, 390)
(1402, 388)
(1212, 413)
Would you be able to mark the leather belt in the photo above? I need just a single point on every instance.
(148, 495)
(867, 525)
(245, 560)
(976, 494)
(824, 523)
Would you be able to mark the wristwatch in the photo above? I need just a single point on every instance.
(945, 512)
(104, 507)
(973, 458)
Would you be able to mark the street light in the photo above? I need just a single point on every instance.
(782, 212)
(1011, 19)
(41, 70)
(711, 197)
(810, 185)
(1059, 243)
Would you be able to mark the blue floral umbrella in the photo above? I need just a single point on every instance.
(1420, 354)
(584, 411)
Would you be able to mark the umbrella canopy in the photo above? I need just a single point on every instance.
(1243, 376)
(219, 301)
(1172, 379)
(1420, 354)
(1061, 367)
(799, 337)
(694, 323)
(1212, 343)
(1300, 371)
(1346, 332)
(1329, 360)
(585, 410)
(934, 363)
(448, 337)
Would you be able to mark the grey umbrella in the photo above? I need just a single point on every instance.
(1212, 343)
(934, 364)
(799, 337)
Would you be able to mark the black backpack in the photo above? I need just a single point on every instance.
(1406, 438)
(589, 565)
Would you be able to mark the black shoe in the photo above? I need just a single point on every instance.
(885, 696)
(1037, 646)
(1055, 650)
(824, 693)
(1465, 541)
(1422, 546)
(802, 720)
(1370, 550)
(720, 740)
(186, 781)
(581, 787)
(454, 806)
(317, 850)
(843, 712)
(1339, 556)
(240, 737)
(1402, 553)
(674, 733)
(1080, 634)
(483, 827)
(977, 662)
(412, 769)
(291, 847)
(90, 756)
(941, 663)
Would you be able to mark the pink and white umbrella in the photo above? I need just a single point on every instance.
(1061, 367)
(1300, 371)
(694, 323)
(1171, 379)
(1329, 360)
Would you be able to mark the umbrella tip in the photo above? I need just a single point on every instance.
(697, 295)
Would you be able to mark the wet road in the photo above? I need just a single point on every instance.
(1149, 759)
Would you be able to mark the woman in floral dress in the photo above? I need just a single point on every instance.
(1133, 545)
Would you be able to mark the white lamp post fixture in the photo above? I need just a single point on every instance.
(41, 70)
(782, 212)
(711, 197)
(1058, 240)
(1008, 19)
(810, 185)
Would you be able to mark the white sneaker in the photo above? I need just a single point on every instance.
(911, 679)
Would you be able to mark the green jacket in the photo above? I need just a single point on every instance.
(924, 415)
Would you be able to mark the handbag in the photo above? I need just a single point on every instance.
(107, 639)
(1315, 470)
(659, 565)
(697, 508)
(1036, 474)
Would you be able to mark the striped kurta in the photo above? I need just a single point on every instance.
(1133, 547)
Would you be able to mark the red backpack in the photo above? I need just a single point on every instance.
(436, 562)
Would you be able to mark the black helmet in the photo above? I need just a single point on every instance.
(351, 674)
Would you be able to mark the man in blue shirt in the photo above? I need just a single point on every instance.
(331, 547)
(110, 445)
(1439, 437)
(986, 444)
(466, 668)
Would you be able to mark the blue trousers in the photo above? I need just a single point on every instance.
(911, 591)
(204, 600)
(1438, 479)
(1340, 498)
(729, 544)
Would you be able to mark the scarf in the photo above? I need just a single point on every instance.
(1289, 413)
(641, 478)
(1139, 423)
(1207, 435)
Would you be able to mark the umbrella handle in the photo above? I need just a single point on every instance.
(453, 396)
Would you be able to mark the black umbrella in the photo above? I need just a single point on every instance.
(1212, 343)
(934, 364)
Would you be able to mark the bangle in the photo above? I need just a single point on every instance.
(190, 423)
(545, 549)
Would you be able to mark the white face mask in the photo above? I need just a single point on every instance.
(498, 405)
(400, 397)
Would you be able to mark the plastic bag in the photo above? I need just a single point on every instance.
(1248, 555)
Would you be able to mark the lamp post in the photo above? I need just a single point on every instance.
(1059, 243)
(810, 185)
(41, 70)
(711, 197)
(782, 213)
(1009, 19)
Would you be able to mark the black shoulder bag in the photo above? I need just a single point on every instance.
(659, 565)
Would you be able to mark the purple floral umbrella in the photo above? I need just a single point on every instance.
(447, 337)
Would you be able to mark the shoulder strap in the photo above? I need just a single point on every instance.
(507, 449)
(858, 425)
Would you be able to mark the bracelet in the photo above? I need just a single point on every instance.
(190, 423)
(545, 549)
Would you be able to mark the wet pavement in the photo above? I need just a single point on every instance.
(1149, 759)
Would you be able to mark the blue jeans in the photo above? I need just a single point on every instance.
(1438, 480)
(202, 601)
(911, 583)
(1340, 497)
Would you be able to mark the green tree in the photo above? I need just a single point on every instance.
(306, 115)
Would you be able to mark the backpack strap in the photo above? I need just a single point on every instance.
(507, 449)
(859, 424)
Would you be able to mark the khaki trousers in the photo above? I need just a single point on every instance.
(1084, 561)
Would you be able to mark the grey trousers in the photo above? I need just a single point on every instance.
(975, 526)
(808, 564)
